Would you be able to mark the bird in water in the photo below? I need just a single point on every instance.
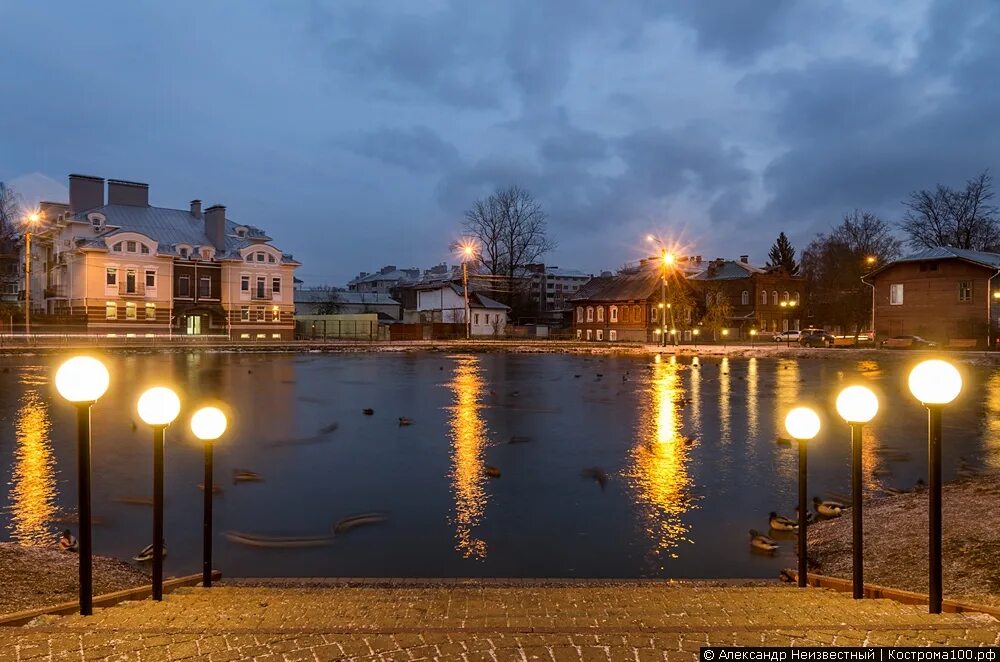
(368, 411)
(597, 474)
(244, 476)
(781, 523)
(354, 521)
(67, 542)
(147, 553)
(491, 471)
(405, 421)
(761, 542)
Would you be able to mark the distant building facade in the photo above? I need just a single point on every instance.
(117, 265)
(551, 289)
(942, 294)
(326, 301)
(10, 271)
(765, 299)
(445, 302)
(382, 281)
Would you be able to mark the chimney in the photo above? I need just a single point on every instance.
(215, 226)
(745, 259)
(134, 194)
(196, 208)
(697, 259)
(85, 192)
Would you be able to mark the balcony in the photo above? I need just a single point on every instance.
(137, 290)
(260, 295)
(55, 292)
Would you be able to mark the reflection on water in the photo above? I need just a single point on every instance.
(752, 386)
(33, 483)
(658, 472)
(724, 396)
(469, 439)
(991, 407)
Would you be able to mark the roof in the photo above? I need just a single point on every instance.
(565, 273)
(727, 270)
(623, 287)
(338, 296)
(394, 275)
(476, 299)
(981, 258)
(169, 227)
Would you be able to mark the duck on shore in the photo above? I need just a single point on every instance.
(761, 542)
(67, 542)
(829, 509)
(147, 553)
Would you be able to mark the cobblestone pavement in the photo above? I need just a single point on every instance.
(628, 621)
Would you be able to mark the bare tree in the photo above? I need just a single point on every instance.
(10, 211)
(510, 228)
(958, 218)
(718, 311)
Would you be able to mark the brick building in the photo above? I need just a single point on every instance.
(941, 294)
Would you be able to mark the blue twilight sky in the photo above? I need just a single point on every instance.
(357, 133)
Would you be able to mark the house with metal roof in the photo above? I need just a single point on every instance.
(445, 303)
(947, 295)
(761, 298)
(116, 265)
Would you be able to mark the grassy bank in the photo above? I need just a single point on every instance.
(896, 536)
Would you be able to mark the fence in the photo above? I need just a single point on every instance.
(333, 329)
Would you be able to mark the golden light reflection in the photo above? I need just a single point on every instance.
(991, 407)
(752, 386)
(786, 394)
(33, 480)
(871, 461)
(724, 397)
(657, 472)
(469, 439)
(696, 394)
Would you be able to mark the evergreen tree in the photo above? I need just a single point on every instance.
(782, 254)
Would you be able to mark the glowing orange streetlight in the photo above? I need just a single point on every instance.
(30, 220)
(468, 251)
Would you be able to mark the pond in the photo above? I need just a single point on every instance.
(688, 446)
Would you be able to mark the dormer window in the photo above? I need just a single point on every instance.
(249, 257)
(270, 258)
(96, 220)
(117, 247)
(241, 232)
(260, 257)
(184, 251)
(144, 249)
(130, 246)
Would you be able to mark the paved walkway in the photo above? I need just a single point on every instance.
(628, 621)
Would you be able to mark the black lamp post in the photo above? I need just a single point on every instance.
(82, 380)
(935, 383)
(802, 423)
(857, 405)
(208, 424)
(158, 407)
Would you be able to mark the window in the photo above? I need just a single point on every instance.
(260, 313)
(600, 313)
(184, 286)
(270, 258)
(636, 314)
(144, 249)
(763, 298)
(745, 298)
(112, 277)
(260, 257)
(896, 294)
(579, 313)
(130, 311)
(110, 311)
(600, 334)
(797, 298)
(579, 333)
(653, 314)
(260, 287)
(275, 314)
(774, 297)
(184, 252)
(590, 334)
(151, 311)
(708, 299)
(245, 313)
(241, 232)
(249, 257)
(612, 335)
(590, 316)
(784, 296)
(204, 287)
(475, 318)
(130, 246)
(276, 285)
(965, 290)
(613, 313)
(130, 281)
(244, 283)
(117, 247)
(150, 279)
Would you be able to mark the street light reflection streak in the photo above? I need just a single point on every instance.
(33, 491)
(657, 473)
(724, 401)
(469, 440)
(991, 406)
(752, 385)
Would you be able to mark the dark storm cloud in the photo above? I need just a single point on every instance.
(382, 122)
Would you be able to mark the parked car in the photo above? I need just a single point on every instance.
(816, 338)
(788, 336)
(908, 342)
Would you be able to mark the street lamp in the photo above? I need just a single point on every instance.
(725, 336)
(857, 405)
(753, 335)
(82, 380)
(208, 424)
(935, 383)
(30, 220)
(695, 333)
(802, 423)
(468, 249)
(158, 407)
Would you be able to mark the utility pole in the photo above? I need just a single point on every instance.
(465, 285)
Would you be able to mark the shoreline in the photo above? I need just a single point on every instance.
(895, 541)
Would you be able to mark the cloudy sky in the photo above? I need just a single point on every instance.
(357, 133)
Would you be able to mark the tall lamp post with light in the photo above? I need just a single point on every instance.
(468, 252)
(935, 383)
(158, 407)
(29, 222)
(857, 405)
(208, 424)
(788, 305)
(82, 380)
(802, 423)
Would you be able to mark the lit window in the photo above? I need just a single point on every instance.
(590, 316)
(151, 311)
(110, 310)
(600, 334)
(612, 335)
(579, 333)
(244, 336)
(600, 313)
(130, 311)
(590, 334)
(112, 277)
(896, 294)
(613, 315)
(245, 313)
(275, 314)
